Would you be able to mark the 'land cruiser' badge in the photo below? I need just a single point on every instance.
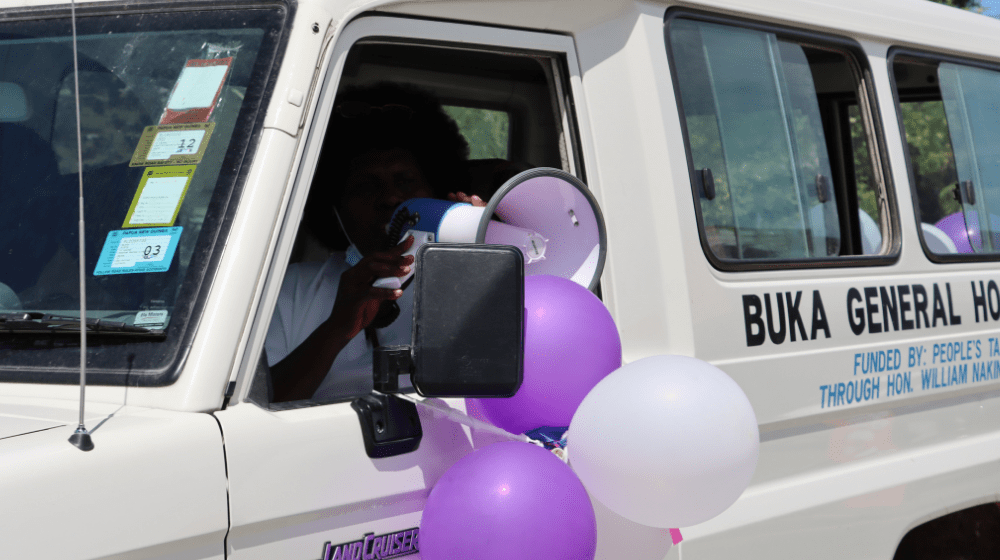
(372, 547)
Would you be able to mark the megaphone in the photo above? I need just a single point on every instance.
(547, 213)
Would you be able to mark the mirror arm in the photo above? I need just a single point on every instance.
(388, 364)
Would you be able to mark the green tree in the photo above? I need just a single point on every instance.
(971, 5)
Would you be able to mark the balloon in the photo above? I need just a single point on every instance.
(570, 343)
(965, 237)
(508, 501)
(665, 441)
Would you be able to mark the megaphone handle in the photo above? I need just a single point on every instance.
(396, 282)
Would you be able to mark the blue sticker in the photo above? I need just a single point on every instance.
(131, 251)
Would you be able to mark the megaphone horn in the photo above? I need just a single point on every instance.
(558, 208)
(547, 213)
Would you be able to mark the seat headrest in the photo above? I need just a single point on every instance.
(13, 103)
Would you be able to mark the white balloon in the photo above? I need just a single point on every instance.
(665, 441)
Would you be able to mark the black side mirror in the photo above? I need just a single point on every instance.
(468, 321)
(468, 340)
(468, 324)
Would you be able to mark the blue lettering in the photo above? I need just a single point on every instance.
(838, 394)
(987, 371)
(898, 384)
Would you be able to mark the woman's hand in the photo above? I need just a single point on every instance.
(358, 301)
(300, 373)
(462, 197)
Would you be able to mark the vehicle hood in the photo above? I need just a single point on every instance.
(11, 425)
(26, 416)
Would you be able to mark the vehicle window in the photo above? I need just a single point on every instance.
(168, 103)
(951, 124)
(487, 131)
(864, 179)
(781, 168)
(409, 121)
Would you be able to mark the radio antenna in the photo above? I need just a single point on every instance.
(81, 437)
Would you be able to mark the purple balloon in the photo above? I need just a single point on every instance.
(965, 237)
(570, 344)
(508, 501)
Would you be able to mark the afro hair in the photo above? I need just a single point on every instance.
(385, 116)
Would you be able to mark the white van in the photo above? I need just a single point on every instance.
(802, 193)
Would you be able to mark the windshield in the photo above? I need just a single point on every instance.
(169, 104)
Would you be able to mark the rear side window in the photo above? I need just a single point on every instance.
(781, 162)
(949, 114)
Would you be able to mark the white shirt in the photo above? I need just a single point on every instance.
(305, 302)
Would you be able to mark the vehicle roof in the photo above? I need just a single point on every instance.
(915, 23)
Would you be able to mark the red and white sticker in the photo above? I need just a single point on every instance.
(196, 91)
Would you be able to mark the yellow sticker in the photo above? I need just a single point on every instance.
(159, 196)
(172, 144)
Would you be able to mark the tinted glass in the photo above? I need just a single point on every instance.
(949, 114)
(766, 118)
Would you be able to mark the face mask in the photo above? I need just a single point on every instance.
(353, 256)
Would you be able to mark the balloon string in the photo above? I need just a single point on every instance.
(462, 418)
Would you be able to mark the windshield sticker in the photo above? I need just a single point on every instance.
(159, 196)
(172, 144)
(132, 251)
(196, 91)
(152, 319)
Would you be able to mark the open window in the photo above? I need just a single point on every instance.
(509, 109)
(779, 133)
(948, 113)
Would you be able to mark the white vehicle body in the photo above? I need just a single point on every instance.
(182, 470)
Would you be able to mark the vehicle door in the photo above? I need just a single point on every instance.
(301, 483)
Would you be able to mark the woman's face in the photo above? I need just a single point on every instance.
(377, 183)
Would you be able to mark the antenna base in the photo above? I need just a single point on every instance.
(82, 440)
